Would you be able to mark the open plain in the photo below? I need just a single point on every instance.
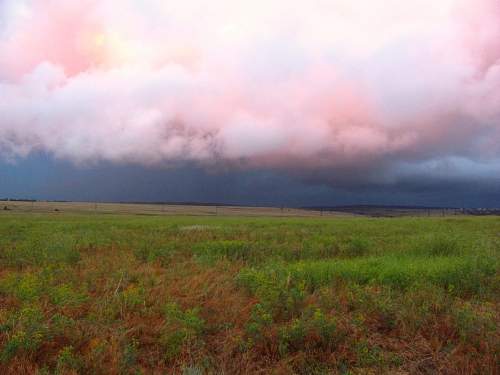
(95, 293)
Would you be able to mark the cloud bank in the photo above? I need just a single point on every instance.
(380, 87)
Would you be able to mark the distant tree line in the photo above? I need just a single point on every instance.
(17, 200)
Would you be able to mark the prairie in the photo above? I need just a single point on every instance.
(93, 293)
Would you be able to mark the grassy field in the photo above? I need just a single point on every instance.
(121, 294)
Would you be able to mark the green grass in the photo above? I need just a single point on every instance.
(460, 275)
(136, 294)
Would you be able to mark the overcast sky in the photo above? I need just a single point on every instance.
(303, 102)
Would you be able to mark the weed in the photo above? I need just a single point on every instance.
(147, 252)
(275, 290)
(368, 354)
(61, 324)
(133, 296)
(26, 287)
(475, 324)
(260, 321)
(313, 330)
(182, 328)
(232, 250)
(67, 361)
(421, 304)
(65, 295)
(357, 246)
(26, 331)
(438, 245)
(130, 355)
(192, 370)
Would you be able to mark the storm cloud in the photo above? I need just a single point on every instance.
(337, 92)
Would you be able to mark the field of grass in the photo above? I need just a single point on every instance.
(109, 294)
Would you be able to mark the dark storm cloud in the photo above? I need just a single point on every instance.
(42, 177)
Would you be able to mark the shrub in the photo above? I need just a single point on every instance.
(368, 355)
(151, 253)
(67, 361)
(192, 370)
(317, 247)
(215, 250)
(475, 324)
(357, 246)
(129, 355)
(313, 330)
(133, 296)
(65, 295)
(30, 287)
(260, 320)
(324, 326)
(276, 289)
(61, 324)
(26, 287)
(25, 330)
(438, 246)
(420, 304)
(181, 328)
(292, 337)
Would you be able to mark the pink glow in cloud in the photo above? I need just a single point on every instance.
(312, 83)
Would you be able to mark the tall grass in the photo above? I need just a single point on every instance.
(460, 275)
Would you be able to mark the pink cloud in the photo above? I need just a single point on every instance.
(315, 84)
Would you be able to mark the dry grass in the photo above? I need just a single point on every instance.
(162, 209)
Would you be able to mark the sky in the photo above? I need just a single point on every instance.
(304, 102)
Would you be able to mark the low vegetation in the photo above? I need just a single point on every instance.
(105, 294)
